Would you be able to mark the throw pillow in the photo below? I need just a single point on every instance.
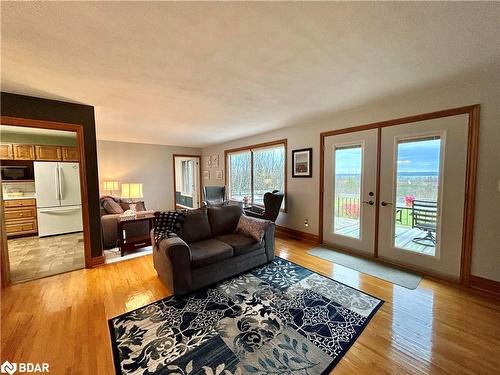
(111, 207)
(167, 224)
(252, 227)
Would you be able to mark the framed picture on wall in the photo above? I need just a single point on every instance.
(208, 161)
(215, 160)
(302, 162)
(219, 175)
(206, 175)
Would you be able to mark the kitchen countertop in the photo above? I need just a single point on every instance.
(30, 196)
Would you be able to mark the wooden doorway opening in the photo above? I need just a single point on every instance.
(50, 125)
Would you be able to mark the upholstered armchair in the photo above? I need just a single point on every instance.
(214, 195)
(272, 206)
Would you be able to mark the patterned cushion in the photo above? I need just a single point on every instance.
(111, 207)
(252, 227)
(167, 224)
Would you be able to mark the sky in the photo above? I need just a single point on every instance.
(419, 156)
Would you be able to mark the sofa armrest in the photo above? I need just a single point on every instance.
(269, 241)
(172, 261)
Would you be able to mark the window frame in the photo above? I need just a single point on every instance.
(251, 148)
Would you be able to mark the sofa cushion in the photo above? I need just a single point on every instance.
(208, 252)
(240, 243)
(224, 219)
(196, 226)
(111, 207)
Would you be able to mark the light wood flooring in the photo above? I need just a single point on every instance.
(437, 328)
(36, 257)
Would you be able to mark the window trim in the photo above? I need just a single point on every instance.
(279, 142)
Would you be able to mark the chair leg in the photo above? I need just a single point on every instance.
(428, 237)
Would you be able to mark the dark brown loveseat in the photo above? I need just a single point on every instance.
(109, 222)
(208, 250)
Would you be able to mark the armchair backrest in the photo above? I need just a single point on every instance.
(214, 195)
(272, 205)
(424, 215)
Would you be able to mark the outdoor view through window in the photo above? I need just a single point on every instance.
(347, 207)
(265, 165)
(417, 193)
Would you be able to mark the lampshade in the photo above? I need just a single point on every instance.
(110, 185)
(131, 191)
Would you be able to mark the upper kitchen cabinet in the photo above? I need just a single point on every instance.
(6, 152)
(23, 152)
(48, 153)
(70, 154)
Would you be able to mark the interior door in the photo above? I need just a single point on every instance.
(69, 184)
(350, 173)
(187, 181)
(422, 191)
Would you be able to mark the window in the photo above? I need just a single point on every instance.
(187, 177)
(255, 170)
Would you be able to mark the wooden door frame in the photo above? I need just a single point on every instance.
(470, 178)
(199, 172)
(52, 125)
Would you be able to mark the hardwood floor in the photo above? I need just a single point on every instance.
(438, 328)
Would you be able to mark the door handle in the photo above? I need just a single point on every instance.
(60, 174)
(56, 182)
(384, 203)
(370, 202)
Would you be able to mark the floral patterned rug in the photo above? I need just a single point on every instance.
(280, 318)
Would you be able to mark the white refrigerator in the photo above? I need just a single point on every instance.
(58, 197)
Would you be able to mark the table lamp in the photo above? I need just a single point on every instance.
(131, 191)
(110, 186)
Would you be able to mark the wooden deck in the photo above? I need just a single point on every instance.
(404, 235)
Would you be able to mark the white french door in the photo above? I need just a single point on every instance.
(350, 182)
(421, 194)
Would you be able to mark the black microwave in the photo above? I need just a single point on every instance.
(17, 170)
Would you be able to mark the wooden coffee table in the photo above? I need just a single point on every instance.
(134, 242)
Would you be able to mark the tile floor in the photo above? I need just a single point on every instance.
(34, 257)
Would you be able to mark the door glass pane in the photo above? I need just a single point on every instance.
(268, 172)
(417, 194)
(347, 187)
(239, 176)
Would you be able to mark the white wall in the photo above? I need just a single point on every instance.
(303, 193)
(151, 165)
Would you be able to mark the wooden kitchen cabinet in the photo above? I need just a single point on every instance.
(6, 151)
(20, 217)
(70, 154)
(23, 152)
(48, 153)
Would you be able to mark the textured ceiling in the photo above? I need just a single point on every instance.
(194, 74)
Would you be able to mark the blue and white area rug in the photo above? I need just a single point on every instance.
(280, 318)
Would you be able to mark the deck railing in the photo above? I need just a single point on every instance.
(349, 207)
